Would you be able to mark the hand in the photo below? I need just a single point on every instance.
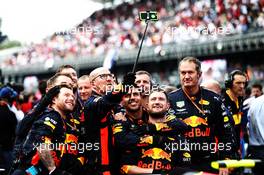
(223, 171)
(176, 124)
(129, 79)
(22, 128)
(46, 100)
(120, 116)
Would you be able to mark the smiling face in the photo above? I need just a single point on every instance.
(84, 88)
(132, 100)
(158, 104)
(65, 101)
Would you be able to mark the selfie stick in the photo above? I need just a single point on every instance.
(140, 47)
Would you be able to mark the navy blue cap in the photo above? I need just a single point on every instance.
(8, 92)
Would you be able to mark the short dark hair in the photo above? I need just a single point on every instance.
(66, 66)
(160, 90)
(231, 77)
(54, 78)
(84, 77)
(143, 72)
(192, 60)
(42, 85)
(257, 85)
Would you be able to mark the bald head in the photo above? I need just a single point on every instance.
(101, 80)
(212, 85)
(98, 71)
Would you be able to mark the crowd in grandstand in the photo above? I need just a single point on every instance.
(180, 20)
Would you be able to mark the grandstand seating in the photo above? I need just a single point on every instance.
(211, 28)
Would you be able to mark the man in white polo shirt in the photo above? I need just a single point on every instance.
(256, 132)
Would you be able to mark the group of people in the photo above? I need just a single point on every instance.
(95, 125)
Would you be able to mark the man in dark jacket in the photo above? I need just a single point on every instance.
(203, 111)
(233, 101)
(8, 124)
(97, 111)
(46, 146)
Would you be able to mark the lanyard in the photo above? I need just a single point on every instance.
(197, 107)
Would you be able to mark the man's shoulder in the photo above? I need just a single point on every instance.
(49, 116)
(93, 99)
(257, 102)
(175, 93)
(210, 95)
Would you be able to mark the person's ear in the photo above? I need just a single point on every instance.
(54, 100)
(146, 105)
(92, 83)
(199, 75)
(168, 106)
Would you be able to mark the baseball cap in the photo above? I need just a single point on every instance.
(8, 92)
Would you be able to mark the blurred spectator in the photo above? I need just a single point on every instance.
(212, 85)
(119, 27)
(8, 124)
(256, 134)
(27, 104)
(11, 95)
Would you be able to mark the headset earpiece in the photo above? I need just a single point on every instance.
(230, 78)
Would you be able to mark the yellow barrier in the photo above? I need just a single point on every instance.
(246, 163)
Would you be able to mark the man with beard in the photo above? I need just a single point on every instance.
(53, 88)
(26, 124)
(204, 113)
(78, 111)
(44, 147)
(233, 100)
(69, 70)
(133, 142)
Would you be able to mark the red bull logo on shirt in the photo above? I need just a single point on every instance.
(159, 160)
(197, 132)
(195, 121)
(156, 153)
